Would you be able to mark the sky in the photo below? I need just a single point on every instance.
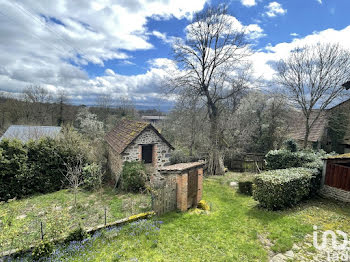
(122, 48)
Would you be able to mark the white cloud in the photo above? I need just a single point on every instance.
(319, 1)
(47, 42)
(294, 34)
(274, 9)
(248, 3)
(263, 58)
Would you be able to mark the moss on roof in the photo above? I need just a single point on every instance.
(343, 156)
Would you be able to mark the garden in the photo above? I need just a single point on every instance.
(235, 229)
(244, 217)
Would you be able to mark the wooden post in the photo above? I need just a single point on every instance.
(41, 230)
(105, 216)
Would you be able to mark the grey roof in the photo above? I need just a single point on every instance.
(25, 133)
(154, 117)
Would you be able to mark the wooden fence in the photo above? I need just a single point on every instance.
(164, 198)
(338, 176)
(246, 163)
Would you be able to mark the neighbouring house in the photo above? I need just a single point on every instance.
(320, 135)
(153, 119)
(336, 177)
(136, 141)
(26, 133)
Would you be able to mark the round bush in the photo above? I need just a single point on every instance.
(92, 174)
(134, 176)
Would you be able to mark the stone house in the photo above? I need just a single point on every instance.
(136, 141)
(319, 136)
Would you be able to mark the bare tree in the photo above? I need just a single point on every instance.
(74, 175)
(104, 103)
(213, 67)
(37, 101)
(313, 77)
(126, 105)
(62, 99)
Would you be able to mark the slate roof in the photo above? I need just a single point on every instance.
(126, 132)
(154, 117)
(298, 130)
(25, 133)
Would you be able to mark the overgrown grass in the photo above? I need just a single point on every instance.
(234, 230)
(20, 219)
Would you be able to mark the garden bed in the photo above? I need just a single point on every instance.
(20, 220)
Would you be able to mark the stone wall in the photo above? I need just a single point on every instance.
(115, 164)
(161, 152)
(336, 193)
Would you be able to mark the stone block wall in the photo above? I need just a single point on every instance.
(336, 193)
(161, 151)
(115, 164)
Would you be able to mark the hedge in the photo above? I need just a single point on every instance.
(283, 159)
(283, 188)
(35, 166)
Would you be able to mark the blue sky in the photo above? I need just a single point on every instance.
(123, 47)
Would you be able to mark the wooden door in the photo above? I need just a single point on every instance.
(192, 188)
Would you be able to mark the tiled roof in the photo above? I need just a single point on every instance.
(126, 132)
(297, 130)
(25, 133)
(181, 166)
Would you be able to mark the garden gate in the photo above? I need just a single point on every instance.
(164, 198)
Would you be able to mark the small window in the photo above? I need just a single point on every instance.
(147, 153)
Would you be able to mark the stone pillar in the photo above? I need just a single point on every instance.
(181, 191)
(154, 155)
(200, 185)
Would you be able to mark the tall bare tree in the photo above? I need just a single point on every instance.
(104, 103)
(313, 77)
(61, 100)
(37, 100)
(213, 67)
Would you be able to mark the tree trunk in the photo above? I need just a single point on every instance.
(307, 133)
(216, 160)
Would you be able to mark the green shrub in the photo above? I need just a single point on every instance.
(37, 166)
(92, 176)
(282, 159)
(78, 234)
(245, 187)
(13, 167)
(291, 145)
(179, 156)
(133, 177)
(283, 188)
(44, 249)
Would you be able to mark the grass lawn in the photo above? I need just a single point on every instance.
(20, 219)
(234, 230)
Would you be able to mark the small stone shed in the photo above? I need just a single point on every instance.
(336, 177)
(133, 140)
(189, 183)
